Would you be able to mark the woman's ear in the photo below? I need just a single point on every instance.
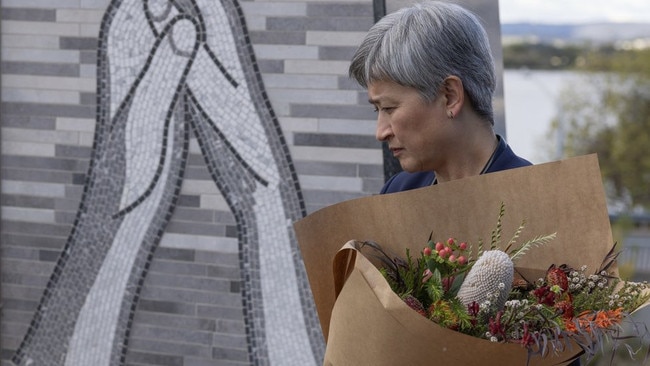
(454, 95)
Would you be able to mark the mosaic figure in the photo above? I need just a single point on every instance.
(167, 70)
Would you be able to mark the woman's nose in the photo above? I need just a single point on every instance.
(383, 131)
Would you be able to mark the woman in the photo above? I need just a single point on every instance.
(430, 75)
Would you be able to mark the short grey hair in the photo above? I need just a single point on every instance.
(421, 45)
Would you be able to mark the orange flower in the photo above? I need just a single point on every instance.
(607, 318)
(569, 325)
(602, 319)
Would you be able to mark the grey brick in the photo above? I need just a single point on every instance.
(176, 321)
(24, 279)
(26, 201)
(88, 57)
(188, 282)
(168, 307)
(328, 111)
(216, 258)
(47, 230)
(29, 14)
(230, 340)
(325, 168)
(271, 66)
(196, 228)
(335, 53)
(169, 334)
(221, 312)
(229, 354)
(283, 37)
(144, 358)
(179, 268)
(43, 69)
(175, 254)
(30, 241)
(185, 200)
(88, 99)
(156, 347)
(232, 273)
(230, 326)
(48, 255)
(51, 176)
(182, 214)
(51, 110)
(70, 151)
(78, 43)
(332, 9)
(197, 172)
(67, 218)
(335, 140)
(28, 162)
(28, 122)
(12, 291)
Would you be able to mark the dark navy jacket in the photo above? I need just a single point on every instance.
(504, 158)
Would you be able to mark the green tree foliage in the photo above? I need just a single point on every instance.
(609, 114)
(541, 56)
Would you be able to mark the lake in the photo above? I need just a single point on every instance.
(531, 101)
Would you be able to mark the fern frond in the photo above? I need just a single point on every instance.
(535, 242)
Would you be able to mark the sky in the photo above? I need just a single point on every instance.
(574, 11)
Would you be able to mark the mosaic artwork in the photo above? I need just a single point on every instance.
(169, 70)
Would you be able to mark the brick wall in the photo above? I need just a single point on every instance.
(189, 309)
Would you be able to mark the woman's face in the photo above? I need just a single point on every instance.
(416, 131)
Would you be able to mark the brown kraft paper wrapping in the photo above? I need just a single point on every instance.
(370, 325)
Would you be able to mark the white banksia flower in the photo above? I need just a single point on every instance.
(492, 269)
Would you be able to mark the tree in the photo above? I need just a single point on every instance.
(609, 114)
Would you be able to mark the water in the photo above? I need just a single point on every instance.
(531, 103)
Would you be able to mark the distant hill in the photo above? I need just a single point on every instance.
(575, 33)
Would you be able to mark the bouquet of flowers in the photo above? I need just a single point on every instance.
(507, 300)
(484, 296)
